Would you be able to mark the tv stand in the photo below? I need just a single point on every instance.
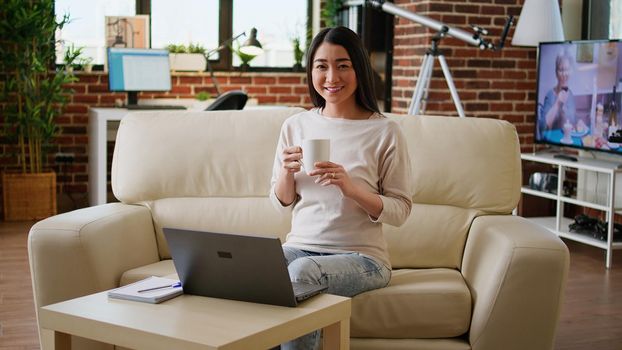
(587, 198)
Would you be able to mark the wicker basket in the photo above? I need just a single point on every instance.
(29, 196)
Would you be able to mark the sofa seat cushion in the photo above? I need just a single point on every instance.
(161, 268)
(417, 303)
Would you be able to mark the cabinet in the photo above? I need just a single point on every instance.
(585, 197)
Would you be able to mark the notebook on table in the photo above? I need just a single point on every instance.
(233, 266)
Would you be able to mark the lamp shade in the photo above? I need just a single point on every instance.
(540, 20)
(251, 46)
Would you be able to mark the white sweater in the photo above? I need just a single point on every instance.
(375, 155)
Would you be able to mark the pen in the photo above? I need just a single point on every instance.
(174, 285)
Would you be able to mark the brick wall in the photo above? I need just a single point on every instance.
(92, 91)
(490, 84)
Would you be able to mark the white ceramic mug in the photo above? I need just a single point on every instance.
(313, 151)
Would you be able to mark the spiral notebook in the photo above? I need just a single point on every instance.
(152, 290)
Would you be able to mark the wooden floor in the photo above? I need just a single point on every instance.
(591, 318)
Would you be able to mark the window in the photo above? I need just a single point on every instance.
(278, 22)
(204, 22)
(184, 22)
(86, 27)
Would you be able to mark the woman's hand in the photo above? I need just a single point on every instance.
(330, 173)
(291, 159)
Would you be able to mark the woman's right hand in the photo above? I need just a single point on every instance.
(291, 157)
(562, 96)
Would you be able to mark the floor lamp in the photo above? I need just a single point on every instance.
(250, 47)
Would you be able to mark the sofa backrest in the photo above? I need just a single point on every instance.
(211, 171)
(462, 168)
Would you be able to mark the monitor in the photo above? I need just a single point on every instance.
(134, 70)
(578, 94)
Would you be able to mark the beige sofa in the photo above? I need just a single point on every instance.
(467, 274)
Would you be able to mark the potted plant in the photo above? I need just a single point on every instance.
(71, 56)
(298, 55)
(86, 63)
(32, 96)
(187, 58)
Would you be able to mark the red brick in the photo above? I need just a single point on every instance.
(288, 99)
(264, 80)
(240, 80)
(85, 99)
(256, 90)
(289, 80)
(76, 109)
(265, 99)
(93, 88)
(190, 80)
(181, 90)
(92, 78)
(280, 90)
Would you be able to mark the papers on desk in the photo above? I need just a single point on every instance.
(150, 290)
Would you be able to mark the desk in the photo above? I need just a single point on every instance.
(193, 322)
(99, 119)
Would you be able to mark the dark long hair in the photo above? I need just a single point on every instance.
(350, 41)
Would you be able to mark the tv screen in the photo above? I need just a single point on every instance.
(578, 94)
(135, 70)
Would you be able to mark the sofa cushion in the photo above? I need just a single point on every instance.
(464, 162)
(252, 216)
(196, 154)
(426, 303)
(433, 236)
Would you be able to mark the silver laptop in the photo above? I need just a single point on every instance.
(233, 266)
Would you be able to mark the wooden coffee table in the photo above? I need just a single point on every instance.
(193, 322)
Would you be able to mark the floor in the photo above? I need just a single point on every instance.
(591, 318)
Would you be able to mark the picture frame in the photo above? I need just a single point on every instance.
(127, 31)
(585, 53)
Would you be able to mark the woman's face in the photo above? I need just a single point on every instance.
(333, 74)
(563, 73)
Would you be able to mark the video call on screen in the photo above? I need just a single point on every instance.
(578, 94)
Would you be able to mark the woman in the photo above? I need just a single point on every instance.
(338, 208)
(559, 104)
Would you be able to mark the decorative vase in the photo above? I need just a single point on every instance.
(29, 196)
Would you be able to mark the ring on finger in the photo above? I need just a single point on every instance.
(332, 175)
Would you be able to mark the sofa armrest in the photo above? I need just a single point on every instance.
(516, 271)
(86, 250)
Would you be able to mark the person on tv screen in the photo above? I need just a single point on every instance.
(338, 207)
(559, 103)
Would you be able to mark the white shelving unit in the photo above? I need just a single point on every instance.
(558, 223)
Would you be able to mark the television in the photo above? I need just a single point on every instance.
(578, 95)
(134, 70)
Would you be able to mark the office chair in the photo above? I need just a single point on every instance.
(235, 99)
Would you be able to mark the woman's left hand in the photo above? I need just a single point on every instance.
(330, 173)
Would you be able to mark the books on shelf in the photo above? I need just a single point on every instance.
(150, 290)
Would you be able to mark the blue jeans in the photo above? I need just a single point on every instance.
(345, 274)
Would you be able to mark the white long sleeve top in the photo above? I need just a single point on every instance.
(375, 155)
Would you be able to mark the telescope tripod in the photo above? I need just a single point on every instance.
(420, 95)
